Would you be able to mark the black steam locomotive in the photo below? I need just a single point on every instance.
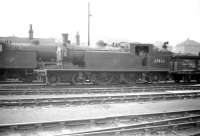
(140, 63)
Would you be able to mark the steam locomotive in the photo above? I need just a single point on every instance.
(78, 65)
(138, 64)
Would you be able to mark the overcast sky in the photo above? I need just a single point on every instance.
(133, 20)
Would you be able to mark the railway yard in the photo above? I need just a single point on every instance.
(62, 89)
(116, 86)
(163, 109)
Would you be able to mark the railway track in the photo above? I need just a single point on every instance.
(95, 98)
(91, 90)
(113, 125)
(163, 126)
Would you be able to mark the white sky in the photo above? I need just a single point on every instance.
(134, 20)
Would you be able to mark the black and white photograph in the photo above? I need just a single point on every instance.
(99, 67)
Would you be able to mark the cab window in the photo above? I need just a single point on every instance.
(141, 50)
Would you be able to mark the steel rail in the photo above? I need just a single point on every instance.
(30, 91)
(98, 99)
(137, 121)
(173, 124)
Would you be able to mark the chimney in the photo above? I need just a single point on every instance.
(30, 32)
(65, 38)
(77, 38)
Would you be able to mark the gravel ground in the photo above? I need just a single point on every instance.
(12, 97)
(56, 113)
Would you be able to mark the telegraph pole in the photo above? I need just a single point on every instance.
(89, 24)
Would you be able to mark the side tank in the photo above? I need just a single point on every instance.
(140, 57)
